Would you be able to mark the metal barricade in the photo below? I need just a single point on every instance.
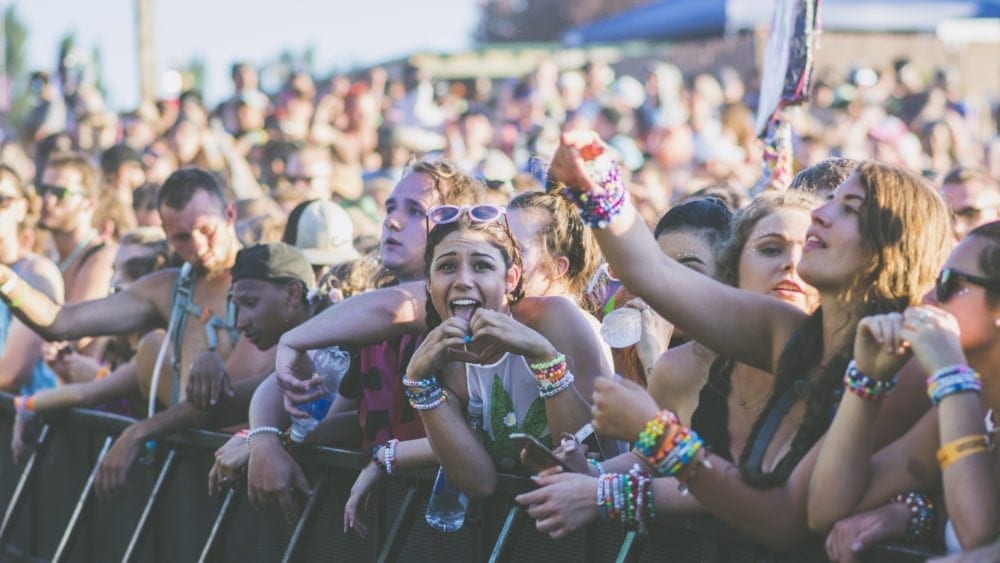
(166, 513)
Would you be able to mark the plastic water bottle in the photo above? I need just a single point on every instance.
(447, 505)
(331, 364)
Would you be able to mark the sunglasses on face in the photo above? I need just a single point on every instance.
(59, 192)
(478, 213)
(947, 283)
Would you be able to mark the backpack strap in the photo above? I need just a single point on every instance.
(180, 302)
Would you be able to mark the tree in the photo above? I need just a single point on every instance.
(15, 98)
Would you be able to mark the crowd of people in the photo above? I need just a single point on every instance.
(818, 352)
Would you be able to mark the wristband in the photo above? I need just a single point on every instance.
(8, 285)
(390, 456)
(264, 430)
(374, 455)
(962, 447)
(867, 388)
(102, 373)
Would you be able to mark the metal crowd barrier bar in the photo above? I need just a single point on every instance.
(166, 514)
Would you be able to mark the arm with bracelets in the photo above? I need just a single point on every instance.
(966, 461)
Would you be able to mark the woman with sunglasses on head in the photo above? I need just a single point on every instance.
(954, 336)
(862, 254)
(505, 362)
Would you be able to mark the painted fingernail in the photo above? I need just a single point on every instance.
(466, 339)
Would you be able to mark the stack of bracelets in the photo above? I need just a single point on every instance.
(390, 456)
(598, 209)
(668, 445)
(628, 498)
(24, 406)
(424, 394)
(867, 388)
(923, 516)
(553, 376)
(958, 378)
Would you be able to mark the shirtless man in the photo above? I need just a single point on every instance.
(199, 223)
(69, 193)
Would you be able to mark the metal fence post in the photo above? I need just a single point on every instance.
(24, 482)
(81, 503)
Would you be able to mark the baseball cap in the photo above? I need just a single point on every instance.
(273, 262)
(322, 232)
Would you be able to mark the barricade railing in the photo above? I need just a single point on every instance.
(166, 513)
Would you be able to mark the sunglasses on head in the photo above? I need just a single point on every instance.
(59, 192)
(479, 213)
(947, 283)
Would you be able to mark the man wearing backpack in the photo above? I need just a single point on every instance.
(191, 303)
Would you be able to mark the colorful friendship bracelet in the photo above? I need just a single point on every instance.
(958, 448)
(626, 498)
(553, 377)
(390, 456)
(598, 209)
(923, 515)
(867, 388)
(24, 406)
(949, 380)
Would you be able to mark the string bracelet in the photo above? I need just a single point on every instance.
(923, 515)
(958, 448)
(867, 388)
(425, 394)
(949, 380)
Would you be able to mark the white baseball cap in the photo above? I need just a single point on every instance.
(323, 232)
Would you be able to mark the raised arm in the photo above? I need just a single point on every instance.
(362, 320)
(139, 307)
(747, 327)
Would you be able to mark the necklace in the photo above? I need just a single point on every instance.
(745, 403)
(65, 264)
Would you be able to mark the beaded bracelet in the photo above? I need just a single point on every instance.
(390, 456)
(424, 394)
(867, 388)
(922, 515)
(264, 430)
(949, 380)
(547, 391)
(596, 465)
(650, 436)
(627, 498)
(543, 366)
(374, 455)
(430, 403)
(598, 209)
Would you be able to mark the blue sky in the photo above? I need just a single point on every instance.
(344, 33)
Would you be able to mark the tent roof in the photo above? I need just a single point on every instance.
(687, 19)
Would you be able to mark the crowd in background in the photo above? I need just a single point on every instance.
(397, 190)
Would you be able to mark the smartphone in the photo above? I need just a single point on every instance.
(536, 454)
(588, 437)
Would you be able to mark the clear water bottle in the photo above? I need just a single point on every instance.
(447, 505)
(330, 364)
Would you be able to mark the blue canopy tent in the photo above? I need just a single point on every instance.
(672, 20)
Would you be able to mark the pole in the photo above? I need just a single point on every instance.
(147, 50)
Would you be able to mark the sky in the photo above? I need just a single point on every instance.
(344, 33)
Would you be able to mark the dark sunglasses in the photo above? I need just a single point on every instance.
(479, 213)
(947, 283)
(59, 192)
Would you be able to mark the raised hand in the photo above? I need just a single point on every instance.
(505, 333)
(435, 351)
(621, 408)
(934, 337)
(575, 148)
(879, 347)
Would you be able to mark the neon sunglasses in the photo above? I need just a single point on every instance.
(947, 282)
(59, 192)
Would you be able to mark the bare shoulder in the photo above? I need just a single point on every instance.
(683, 366)
(540, 313)
(155, 288)
(42, 274)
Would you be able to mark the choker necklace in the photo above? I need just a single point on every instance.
(65, 264)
